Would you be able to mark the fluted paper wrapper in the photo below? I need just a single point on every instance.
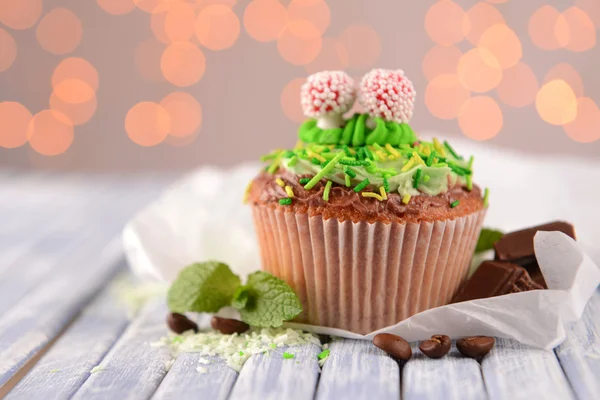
(365, 276)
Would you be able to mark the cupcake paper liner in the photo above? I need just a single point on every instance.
(365, 276)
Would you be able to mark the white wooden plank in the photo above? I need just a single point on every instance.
(270, 376)
(30, 324)
(356, 369)
(579, 355)
(67, 365)
(133, 368)
(514, 371)
(185, 382)
(451, 377)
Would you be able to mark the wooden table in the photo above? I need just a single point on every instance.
(60, 249)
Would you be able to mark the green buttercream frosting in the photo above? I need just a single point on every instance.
(369, 156)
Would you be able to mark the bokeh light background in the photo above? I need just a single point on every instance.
(172, 84)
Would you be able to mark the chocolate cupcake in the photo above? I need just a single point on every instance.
(366, 222)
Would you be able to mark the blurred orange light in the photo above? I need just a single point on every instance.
(315, 11)
(183, 64)
(116, 7)
(575, 30)
(50, 133)
(480, 118)
(60, 31)
(290, 100)
(445, 96)
(480, 18)
(175, 141)
(179, 22)
(264, 19)
(444, 23)
(20, 14)
(503, 43)
(299, 43)
(592, 8)
(519, 86)
(147, 123)
(150, 6)
(158, 22)
(441, 60)
(147, 60)
(79, 113)
(78, 69)
(586, 127)
(542, 28)
(333, 56)
(8, 50)
(363, 45)
(556, 103)
(185, 113)
(74, 91)
(497, 1)
(15, 121)
(479, 71)
(217, 27)
(567, 73)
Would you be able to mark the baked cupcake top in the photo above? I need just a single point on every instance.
(370, 163)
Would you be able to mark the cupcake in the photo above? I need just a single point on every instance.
(368, 223)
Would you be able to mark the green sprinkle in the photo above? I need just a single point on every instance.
(273, 346)
(486, 197)
(369, 153)
(458, 170)
(454, 203)
(362, 185)
(347, 151)
(430, 158)
(348, 181)
(417, 178)
(271, 170)
(349, 172)
(327, 169)
(386, 185)
(471, 162)
(324, 163)
(304, 181)
(426, 178)
(324, 354)
(293, 161)
(451, 150)
(289, 154)
(241, 353)
(440, 165)
(469, 182)
(285, 202)
(353, 163)
(268, 157)
(315, 161)
(360, 153)
(327, 190)
(287, 355)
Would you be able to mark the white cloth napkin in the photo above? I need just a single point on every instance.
(202, 217)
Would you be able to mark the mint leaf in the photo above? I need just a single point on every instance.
(270, 301)
(240, 298)
(487, 239)
(202, 287)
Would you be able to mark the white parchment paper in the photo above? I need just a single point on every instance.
(201, 217)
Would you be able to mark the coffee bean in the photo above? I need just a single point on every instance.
(228, 326)
(436, 347)
(179, 323)
(475, 346)
(394, 345)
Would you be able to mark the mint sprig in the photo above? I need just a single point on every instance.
(487, 239)
(264, 301)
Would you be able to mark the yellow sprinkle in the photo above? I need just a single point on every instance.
(406, 198)
(383, 193)
(392, 150)
(289, 192)
(381, 155)
(392, 158)
(439, 148)
(426, 150)
(315, 155)
(352, 151)
(408, 165)
(247, 192)
(299, 145)
(371, 194)
(417, 158)
(280, 182)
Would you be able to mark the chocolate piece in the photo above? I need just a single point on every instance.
(394, 345)
(436, 347)
(179, 323)
(494, 278)
(475, 346)
(517, 247)
(228, 326)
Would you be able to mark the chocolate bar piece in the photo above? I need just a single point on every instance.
(517, 247)
(495, 278)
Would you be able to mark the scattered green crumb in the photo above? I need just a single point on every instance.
(454, 203)
(96, 369)
(285, 202)
(273, 346)
(241, 353)
(323, 354)
(287, 355)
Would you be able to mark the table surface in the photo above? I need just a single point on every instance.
(60, 249)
